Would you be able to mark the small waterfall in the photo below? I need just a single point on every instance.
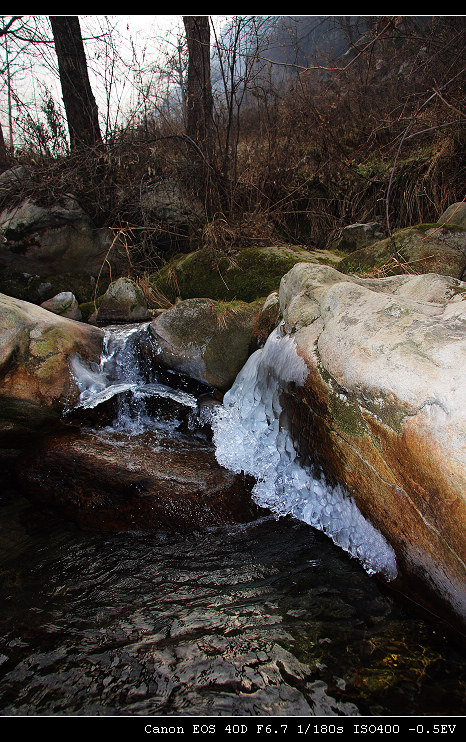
(249, 438)
(247, 433)
(140, 389)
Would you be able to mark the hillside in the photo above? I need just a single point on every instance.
(367, 124)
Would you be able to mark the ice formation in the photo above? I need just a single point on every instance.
(249, 438)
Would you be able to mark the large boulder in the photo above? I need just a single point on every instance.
(47, 250)
(206, 339)
(144, 483)
(426, 248)
(36, 350)
(369, 377)
(250, 274)
(382, 410)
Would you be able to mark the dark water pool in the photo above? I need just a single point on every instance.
(264, 619)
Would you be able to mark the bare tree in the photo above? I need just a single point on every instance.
(78, 98)
(4, 160)
(199, 100)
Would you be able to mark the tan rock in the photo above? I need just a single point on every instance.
(36, 347)
(382, 412)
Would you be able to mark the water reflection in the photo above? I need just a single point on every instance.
(268, 618)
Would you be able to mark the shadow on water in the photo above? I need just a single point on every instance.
(268, 618)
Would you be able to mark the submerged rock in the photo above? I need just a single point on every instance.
(381, 410)
(114, 482)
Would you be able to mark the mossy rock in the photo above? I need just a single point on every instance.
(247, 276)
(425, 248)
(206, 339)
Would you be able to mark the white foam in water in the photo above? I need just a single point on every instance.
(248, 438)
(96, 383)
(119, 372)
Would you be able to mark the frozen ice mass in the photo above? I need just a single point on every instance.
(249, 438)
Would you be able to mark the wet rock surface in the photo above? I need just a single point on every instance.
(109, 481)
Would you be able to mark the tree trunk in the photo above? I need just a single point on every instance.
(199, 100)
(4, 159)
(79, 101)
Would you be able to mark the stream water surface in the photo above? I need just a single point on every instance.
(269, 618)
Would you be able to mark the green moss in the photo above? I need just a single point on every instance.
(347, 416)
(47, 344)
(253, 273)
(87, 308)
(345, 410)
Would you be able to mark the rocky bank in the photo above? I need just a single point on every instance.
(381, 410)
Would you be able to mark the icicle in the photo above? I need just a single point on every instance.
(248, 438)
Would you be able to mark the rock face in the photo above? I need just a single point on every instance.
(135, 483)
(64, 304)
(123, 302)
(205, 339)
(382, 412)
(47, 243)
(36, 347)
(427, 248)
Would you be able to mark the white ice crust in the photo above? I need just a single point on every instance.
(249, 438)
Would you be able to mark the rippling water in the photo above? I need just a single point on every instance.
(264, 619)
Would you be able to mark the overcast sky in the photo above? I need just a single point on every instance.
(143, 36)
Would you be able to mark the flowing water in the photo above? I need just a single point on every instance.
(267, 618)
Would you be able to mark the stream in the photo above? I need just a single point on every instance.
(273, 617)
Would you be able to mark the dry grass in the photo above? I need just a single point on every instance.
(392, 266)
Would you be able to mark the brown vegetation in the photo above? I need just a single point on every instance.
(377, 136)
